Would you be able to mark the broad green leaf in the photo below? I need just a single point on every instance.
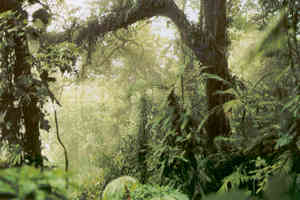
(230, 91)
(216, 77)
(233, 104)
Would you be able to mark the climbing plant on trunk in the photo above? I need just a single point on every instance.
(19, 102)
(24, 82)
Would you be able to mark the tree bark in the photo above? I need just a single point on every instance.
(31, 112)
(214, 14)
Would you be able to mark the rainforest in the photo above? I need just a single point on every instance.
(149, 99)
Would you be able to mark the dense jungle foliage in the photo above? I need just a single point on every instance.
(150, 99)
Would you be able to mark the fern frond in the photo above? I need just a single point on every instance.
(234, 180)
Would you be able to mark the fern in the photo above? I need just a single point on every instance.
(263, 171)
(234, 180)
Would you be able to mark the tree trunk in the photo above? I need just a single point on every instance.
(214, 25)
(30, 110)
(32, 143)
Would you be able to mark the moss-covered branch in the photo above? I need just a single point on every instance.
(143, 10)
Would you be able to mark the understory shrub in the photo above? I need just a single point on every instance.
(28, 183)
(119, 188)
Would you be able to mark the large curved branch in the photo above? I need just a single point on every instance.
(146, 9)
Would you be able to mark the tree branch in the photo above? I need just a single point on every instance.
(146, 9)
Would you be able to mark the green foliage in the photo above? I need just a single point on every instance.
(174, 148)
(263, 130)
(119, 188)
(273, 39)
(232, 195)
(31, 183)
(234, 180)
(278, 187)
(129, 157)
(103, 124)
(151, 192)
(62, 56)
(24, 84)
